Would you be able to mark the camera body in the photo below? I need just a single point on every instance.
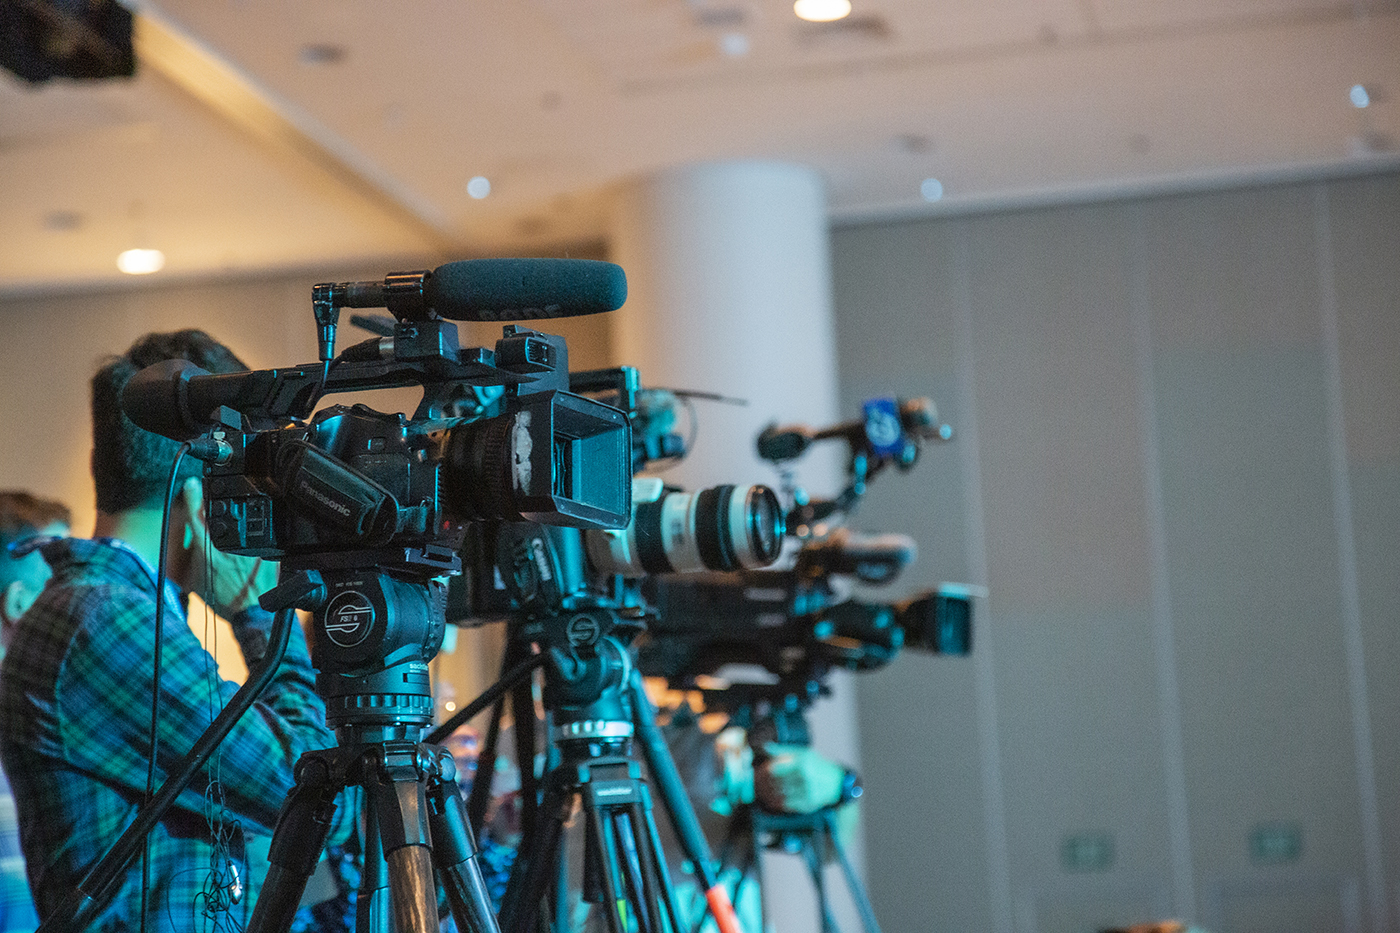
(795, 624)
(377, 504)
(539, 569)
(353, 479)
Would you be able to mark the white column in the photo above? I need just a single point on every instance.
(729, 291)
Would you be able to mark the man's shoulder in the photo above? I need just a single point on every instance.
(86, 569)
(92, 593)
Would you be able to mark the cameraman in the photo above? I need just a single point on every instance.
(76, 686)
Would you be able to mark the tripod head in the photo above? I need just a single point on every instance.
(373, 638)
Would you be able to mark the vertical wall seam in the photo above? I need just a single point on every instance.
(993, 785)
(1346, 565)
(1163, 629)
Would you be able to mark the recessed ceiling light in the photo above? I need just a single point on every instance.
(822, 11)
(734, 44)
(931, 189)
(1360, 97)
(141, 261)
(479, 187)
(321, 53)
(62, 221)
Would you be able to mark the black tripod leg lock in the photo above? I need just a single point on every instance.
(303, 827)
(398, 796)
(454, 851)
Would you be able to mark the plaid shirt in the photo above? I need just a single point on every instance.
(75, 715)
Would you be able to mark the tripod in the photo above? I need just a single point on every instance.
(374, 636)
(595, 707)
(810, 836)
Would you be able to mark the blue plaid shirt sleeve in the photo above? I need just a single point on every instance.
(105, 689)
(75, 720)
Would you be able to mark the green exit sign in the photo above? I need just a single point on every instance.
(1087, 852)
(1275, 843)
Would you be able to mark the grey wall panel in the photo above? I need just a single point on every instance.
(1252, 557)
(924, 810)
(1081, 747)
(1363, 220)
(1068, 565)
(1241, 398)
(1057, 409)
(1184, 495)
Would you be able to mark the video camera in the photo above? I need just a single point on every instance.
(801, 623)
(889, 432)
(378, 505)
(517, 567)
(353, 479)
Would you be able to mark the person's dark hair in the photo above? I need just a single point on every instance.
(131, 466)
(22, 514)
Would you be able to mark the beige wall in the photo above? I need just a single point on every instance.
(1178, 473)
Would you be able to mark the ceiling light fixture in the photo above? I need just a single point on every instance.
(321, 53)
(931, 189)
(734, 44)
(141, 261)
(822, 11)
(479, 187)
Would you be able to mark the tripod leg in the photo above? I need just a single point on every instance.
(479, 797)
(677, 805)
(529, 875)
(739, 838)
(858, 892)
(561, 920)
(302, 829)
(756, 853)
(372, 914)
(812, 856)
(522, 711)
(643, 878)
(395, 792)
(454, 850)
(614, 904)
(668, 890)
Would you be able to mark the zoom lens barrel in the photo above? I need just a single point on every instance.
(719, 528)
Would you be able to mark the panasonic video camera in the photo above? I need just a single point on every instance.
(353, 485)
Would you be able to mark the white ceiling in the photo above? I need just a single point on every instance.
(262, 134)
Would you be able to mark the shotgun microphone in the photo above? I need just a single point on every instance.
(494, 290)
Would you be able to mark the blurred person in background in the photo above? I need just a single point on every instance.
(25, 519)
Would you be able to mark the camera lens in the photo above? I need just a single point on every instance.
(552, 457)
(719, 528)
